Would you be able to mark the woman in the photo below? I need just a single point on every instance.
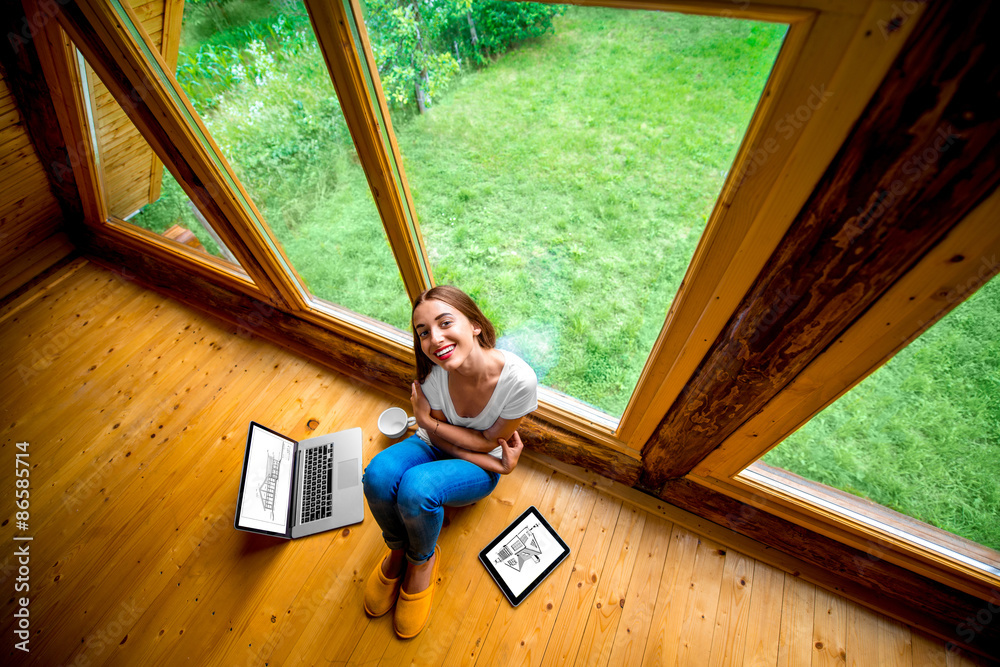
(468, 402)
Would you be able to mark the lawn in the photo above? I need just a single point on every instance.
(565, 186)
(922, 433)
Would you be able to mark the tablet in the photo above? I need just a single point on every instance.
(523, 555)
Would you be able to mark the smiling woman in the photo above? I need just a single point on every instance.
(468, 403)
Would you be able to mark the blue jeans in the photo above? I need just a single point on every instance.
(407, 487)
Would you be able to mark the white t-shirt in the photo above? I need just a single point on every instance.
(514, 396)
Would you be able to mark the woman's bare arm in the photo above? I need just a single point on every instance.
(504, 465)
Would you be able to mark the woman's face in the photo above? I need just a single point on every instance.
(446, 336)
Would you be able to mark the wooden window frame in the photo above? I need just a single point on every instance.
(954, 269)
(828, 47)
(821, 47)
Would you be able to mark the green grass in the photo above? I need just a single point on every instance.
(922, 434)
(565, 187)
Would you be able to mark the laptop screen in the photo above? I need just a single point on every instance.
(266, 487)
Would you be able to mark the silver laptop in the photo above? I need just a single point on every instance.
(292, 489)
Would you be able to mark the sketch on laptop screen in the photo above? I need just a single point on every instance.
(267, 483)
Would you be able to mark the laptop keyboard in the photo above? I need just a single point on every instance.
(317, 484)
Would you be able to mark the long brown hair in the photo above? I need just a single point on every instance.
(461, 301)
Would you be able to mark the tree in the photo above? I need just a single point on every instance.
(418, 43)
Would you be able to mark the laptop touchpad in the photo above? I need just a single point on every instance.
(347, 474)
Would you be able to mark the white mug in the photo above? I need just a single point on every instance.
(394, 422)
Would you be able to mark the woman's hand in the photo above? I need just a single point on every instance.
(511, 452)
(421, 408)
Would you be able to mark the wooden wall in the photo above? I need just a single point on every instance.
(35, 223)
(131, 170)
(32, 236)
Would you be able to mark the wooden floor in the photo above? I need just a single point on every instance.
(135, 411)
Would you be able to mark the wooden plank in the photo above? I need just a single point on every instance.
(879, 584)
(13, 139)
(169, 503)
(863, 636)
(928, 652)
(13, 131)
(663, 641)
(282, 576)
(7, 101)
(766, 605)
(10, 117)
(635, 625)
(795, 644)
(894, 643)
(578, 601)
(29, 226)
(612, 588)
(115, 140)
(683, 623)
(702, 602)
(829, 630)
(24, 177)
(151, 503)
(38, 258)
(734, 610)
(23, 207)
(17, 151)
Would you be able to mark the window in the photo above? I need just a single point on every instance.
(829, 65)
(565, 178)
(256, 76)
(919, 434)
(959, 266)
(136, 186)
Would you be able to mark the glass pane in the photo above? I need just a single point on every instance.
(137, 186)
(255, 73)
(920, 435)
(564, 161)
